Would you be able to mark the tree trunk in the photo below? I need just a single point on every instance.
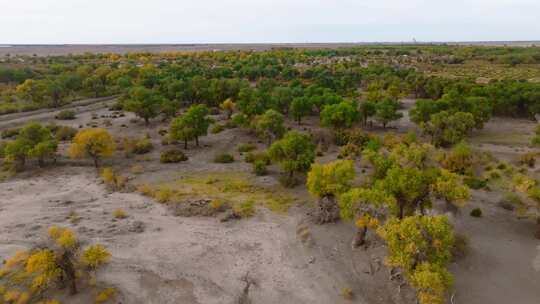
(360, 237)
(185, 144)
(538, 227)
(401, 211)
(328, 210)
(197, 141)
(146, 121)
(96, 162)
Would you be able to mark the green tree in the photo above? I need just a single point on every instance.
(366, 109)
(144, 102)
(327, 182)
(387, 111)
(269, 126)
(300, 107)
(449, 187)
(191, 125)
(295, 152)
(447, 129)
(339, 116)
(33, 140)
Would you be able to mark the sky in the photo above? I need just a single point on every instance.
(266, 21)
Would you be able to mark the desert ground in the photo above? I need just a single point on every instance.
(66, 49)
(272, 257)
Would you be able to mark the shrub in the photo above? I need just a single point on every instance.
(476, 212)
(528, 159)
(244, 209)
(475, 182)
(223, 158)
(263, 156)
(246, 147)
(119, 214)
(259, 168)
(163, 195)
(172, 156)
(461, 246)
(113, 180)
(105, 295)
(65, 115)
(217, 128)
(350, 151)
(145, 190)
(29, 275)
(65, 133)
(347, 293)
(143, 146)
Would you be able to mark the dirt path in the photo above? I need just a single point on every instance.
(81, 106)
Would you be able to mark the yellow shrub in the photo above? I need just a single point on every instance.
(145, 189)
(119, 214)
(105, 295)
(163, 195)
(95, 256)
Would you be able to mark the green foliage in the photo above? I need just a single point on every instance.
(248, 147)
(474, 182)
(172, 156)
(244, 209)
(330, 179)
(459, 159)
(191, 125)
(300, 107)
(339, 116)
(269, 126)
(294, 152)
(223, 158)
(66, 115)
(259, 168)
(144, 102)
(448, 129)
(33, 141)
(387, 111)
(143, 146)
(64, 133)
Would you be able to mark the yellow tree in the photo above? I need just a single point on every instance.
(93, 143)
(228, 105)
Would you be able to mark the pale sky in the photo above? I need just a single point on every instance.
(259, 21)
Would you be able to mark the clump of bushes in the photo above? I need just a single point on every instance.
(350, 151)
(119, 214)
(64, 133)
(172, 156)
(217, 128)
(252, 157)
(224, 158)
(244, 209)
(28, 276)
(65, 115)
(259, 168)
(112, 180)
(143, 146)
(242, 148)
(476, 212)
(475, 182)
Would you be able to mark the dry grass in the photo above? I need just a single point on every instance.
(233, 187)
